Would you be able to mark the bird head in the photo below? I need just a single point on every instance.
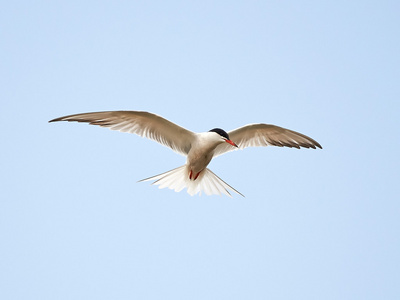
(223, 135)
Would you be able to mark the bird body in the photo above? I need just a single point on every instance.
(199, 148)
(202, 151)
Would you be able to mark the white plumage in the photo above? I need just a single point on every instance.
(199, 148)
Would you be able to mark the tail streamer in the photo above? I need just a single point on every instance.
(178, 179)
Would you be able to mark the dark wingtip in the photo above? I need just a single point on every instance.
(54, 120)
(57, 119)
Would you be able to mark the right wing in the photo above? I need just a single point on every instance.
(257, 135)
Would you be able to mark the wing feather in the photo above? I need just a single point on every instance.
(261, 135)
(141, 123)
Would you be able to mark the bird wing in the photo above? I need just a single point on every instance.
(257, 135)
(141, 123)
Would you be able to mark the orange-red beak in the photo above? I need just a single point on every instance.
(232, 143)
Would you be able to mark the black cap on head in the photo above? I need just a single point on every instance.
(221, 132)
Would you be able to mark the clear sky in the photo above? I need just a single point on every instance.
(315, 224)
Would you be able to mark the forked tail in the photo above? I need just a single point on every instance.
(178, 179)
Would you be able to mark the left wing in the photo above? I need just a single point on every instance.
(142, 123)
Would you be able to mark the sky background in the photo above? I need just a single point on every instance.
(315, 224)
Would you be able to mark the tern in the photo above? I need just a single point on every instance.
(199, 148)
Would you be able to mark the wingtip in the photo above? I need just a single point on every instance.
(55, 120)
(316, 146)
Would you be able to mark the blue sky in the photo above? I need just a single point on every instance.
(315, 224)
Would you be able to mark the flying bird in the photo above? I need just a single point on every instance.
(199, 148)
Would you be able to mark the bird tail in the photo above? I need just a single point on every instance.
(178, 179)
